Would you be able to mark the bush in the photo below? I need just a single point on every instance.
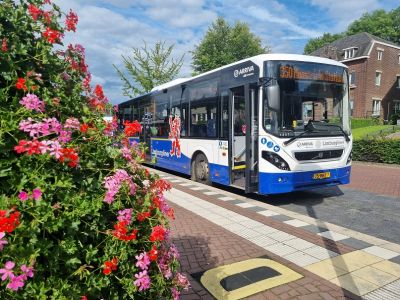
(79, 217)
(358, 123)
(377, 150)
(394, 118)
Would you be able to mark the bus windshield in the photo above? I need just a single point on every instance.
(312, 99)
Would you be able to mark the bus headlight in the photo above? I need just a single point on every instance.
(349, 158)
(276, 160)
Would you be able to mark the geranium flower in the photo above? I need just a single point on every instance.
(71, 21)
(110, 265)
(23, 196)
(182, 281)
(52, 35)
(4, 46)
(143, 261)
(36, 194)
(34, 11)
(7, 271)
(142, 281)
(8, 224)
(132, 128)
(21, 84)
(2, 242)
(175, 293)
(32, 102)
(157, 234)
(16, 283)
(153, 253)
(72, 123)
(28, 271)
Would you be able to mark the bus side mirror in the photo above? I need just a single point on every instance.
(273, 97)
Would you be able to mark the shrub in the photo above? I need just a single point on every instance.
(394, 118)
(79, 217)
(377, 150)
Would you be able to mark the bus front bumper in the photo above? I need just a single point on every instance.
(276, 183)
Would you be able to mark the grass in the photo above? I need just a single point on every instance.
(369, 131)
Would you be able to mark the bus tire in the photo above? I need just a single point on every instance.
(201, 169)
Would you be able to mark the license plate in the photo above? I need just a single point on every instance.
(322, 175)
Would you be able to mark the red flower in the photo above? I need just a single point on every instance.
(69, 155)
(156, 202)
(4, 47)
(47, 17)
(8, 224)
(170, 213)
(162, 185)
(132, 128)
(120, 231)
(84, 128)
(32, 147)
(34, 11)
(158, 234)
(71, 21)
(153, 253)
(21, 84)
(52, 35)
(98, 91)
(143, 216)
(84, 297)
(110, 265)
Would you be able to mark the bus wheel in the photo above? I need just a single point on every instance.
(200, 169)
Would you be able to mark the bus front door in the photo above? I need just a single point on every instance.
(243, 137)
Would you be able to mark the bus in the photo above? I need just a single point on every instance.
(269, 124)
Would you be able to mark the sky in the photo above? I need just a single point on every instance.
(111, 28)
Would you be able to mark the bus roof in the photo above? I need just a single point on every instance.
(259, 59)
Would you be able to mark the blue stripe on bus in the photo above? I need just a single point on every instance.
(219, 174)
(275, 183)
(160, 150)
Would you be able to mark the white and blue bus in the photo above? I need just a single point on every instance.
(272, 123)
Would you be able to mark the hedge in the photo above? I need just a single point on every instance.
(358, 123)
(377, 150)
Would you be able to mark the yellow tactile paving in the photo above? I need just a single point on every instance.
(354, 284)
(374, 275)
(325, 269)
(354, 260)
(388, 267)
(211, 279)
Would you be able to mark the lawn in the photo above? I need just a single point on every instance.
(359, 133)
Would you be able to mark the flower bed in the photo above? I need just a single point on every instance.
(79, 217)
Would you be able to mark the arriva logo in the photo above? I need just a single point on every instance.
(305, 144)
(244, 71)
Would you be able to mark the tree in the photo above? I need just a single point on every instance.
(316, 43)
(149, 68)
(224, 44)
(379, 23)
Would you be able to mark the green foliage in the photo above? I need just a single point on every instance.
(377, 150)
(358, 123)
(380, 23)
(148, 68)
(394, 118)
(319, 42)
(372, 131)
(58, 175)
(224, 44)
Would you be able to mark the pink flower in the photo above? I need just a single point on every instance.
(143, 261)
(2, 242)
(28, 271)
(7, 272)
(182, 281)
(16, 282)
(72, 123)
(54, 148)
(175, 293)
(113, 184)
(36, 194)
(125, 215)
(32, 102)
(142, 281)
(65, 136)
(23, 196)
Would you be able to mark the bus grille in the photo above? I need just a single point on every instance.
(318, 155)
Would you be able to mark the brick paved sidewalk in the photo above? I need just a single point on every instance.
(375, 178)
(213, 230)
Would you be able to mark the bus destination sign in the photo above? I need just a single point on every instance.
(291, 72)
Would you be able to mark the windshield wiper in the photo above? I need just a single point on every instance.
(289, 141)
(346, 136)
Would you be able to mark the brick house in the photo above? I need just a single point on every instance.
(374, 73)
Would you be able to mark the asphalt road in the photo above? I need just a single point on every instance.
(366, 212)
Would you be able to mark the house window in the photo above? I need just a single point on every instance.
(349, 52)
(396, 106)
(352, 78)
(398, 81)
(378, 76)
(376, 107)
(380, 53)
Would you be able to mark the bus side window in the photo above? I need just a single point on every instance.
(224, 117)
